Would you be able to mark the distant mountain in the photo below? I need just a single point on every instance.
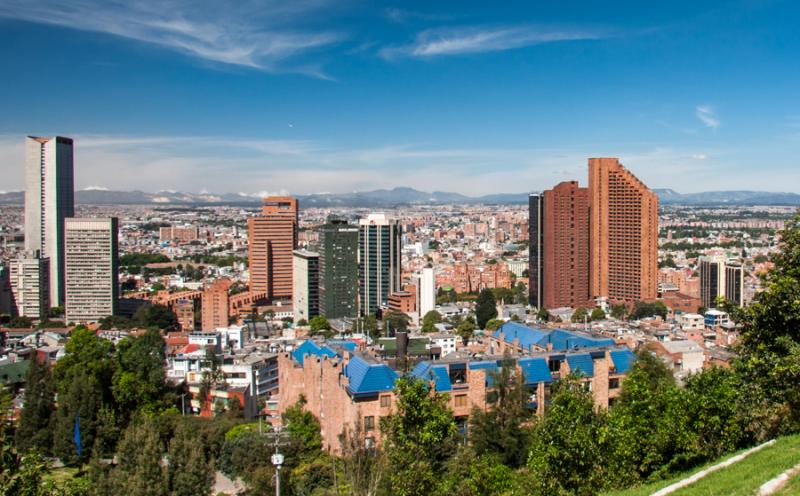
(386, 198)
(668, 196)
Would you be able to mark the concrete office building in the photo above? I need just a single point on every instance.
(30, 292)
(91, 269)
(338, 269)
(49, 199)
(720, 279)
(272, 239)
(305, 300)
(535, 250)
(379, 245)
(565, 246)
(623, 236)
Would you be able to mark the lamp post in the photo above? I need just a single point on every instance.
(277, 460)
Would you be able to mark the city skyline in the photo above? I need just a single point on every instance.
(357, 97)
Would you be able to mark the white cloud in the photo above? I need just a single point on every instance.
(707, 116)
(455, 41)
(257, 167)
(257, 34)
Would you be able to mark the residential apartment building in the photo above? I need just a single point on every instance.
(30, 292)
(214, 310)
(623, 236)
(91, 264)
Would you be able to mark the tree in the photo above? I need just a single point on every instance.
(418, 437)
(319, 325)
(80, 404)
(156, 316)
(189, 472)
(520, 293)
(139, 471)
(568, 451)
(466, 329)
(769, 347)
(619, 311)
(394, 322)
(430, 320)
(20, 323)
(139, 380)
(543, 315)
(494, 324)
(597, 314)
(579, 315)
(468, 474)
(33, 429)
(86, 354)
(485, 309)
(368, 325)
(304, 431)
(501, 430)
(363, 465)
(643, 310)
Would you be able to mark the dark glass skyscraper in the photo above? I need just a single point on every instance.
(535, 249)
(338, 269)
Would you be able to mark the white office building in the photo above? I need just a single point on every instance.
(91, 269)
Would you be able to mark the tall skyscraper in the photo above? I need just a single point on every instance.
(30, 292)
(49, 199)
(623, 235)
(565, 246)
(535, 246)
(720, 278)
(338, 269)
(91, 269)
(214, 310)
(426, 291)
(305, 301)
(379, 245)
(272, 238)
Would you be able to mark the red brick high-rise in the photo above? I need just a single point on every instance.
(565, 246)
(214, 309)
(272, 238)
(623, 222)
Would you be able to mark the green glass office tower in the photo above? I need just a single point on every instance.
(338, 269)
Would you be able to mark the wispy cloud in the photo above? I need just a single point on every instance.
(249, 33)
(227, 164)
(402, 16)
(462, 40)
(707, 116)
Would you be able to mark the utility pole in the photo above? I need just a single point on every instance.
(279, 438)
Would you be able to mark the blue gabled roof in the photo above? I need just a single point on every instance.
(623, 360)
(535, 370)
(526, 335)
(581, 364)
(368, 378)
(311, 348)
(563, 340)
(439, 374)
(560, 339)
(489, 366)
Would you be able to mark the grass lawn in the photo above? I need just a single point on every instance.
(60, 475)
(790, 489)
(742, 478)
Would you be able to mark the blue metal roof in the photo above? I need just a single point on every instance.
(368, 378)
(526, 335)
(581, 364)
(439, 374)
(560, 339)
(311, 348)
(535, 370)
(342, 343)
(623, 360)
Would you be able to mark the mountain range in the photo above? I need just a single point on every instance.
(384, 198)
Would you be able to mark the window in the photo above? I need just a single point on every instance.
(461, 400)
(613, 383)
(386, 401)
(369, 423)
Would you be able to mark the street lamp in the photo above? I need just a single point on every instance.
(277, 460)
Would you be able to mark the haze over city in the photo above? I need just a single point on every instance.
(472, 98)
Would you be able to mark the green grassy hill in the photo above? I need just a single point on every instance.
(741, 478)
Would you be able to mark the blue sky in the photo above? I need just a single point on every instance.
(339, 95)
